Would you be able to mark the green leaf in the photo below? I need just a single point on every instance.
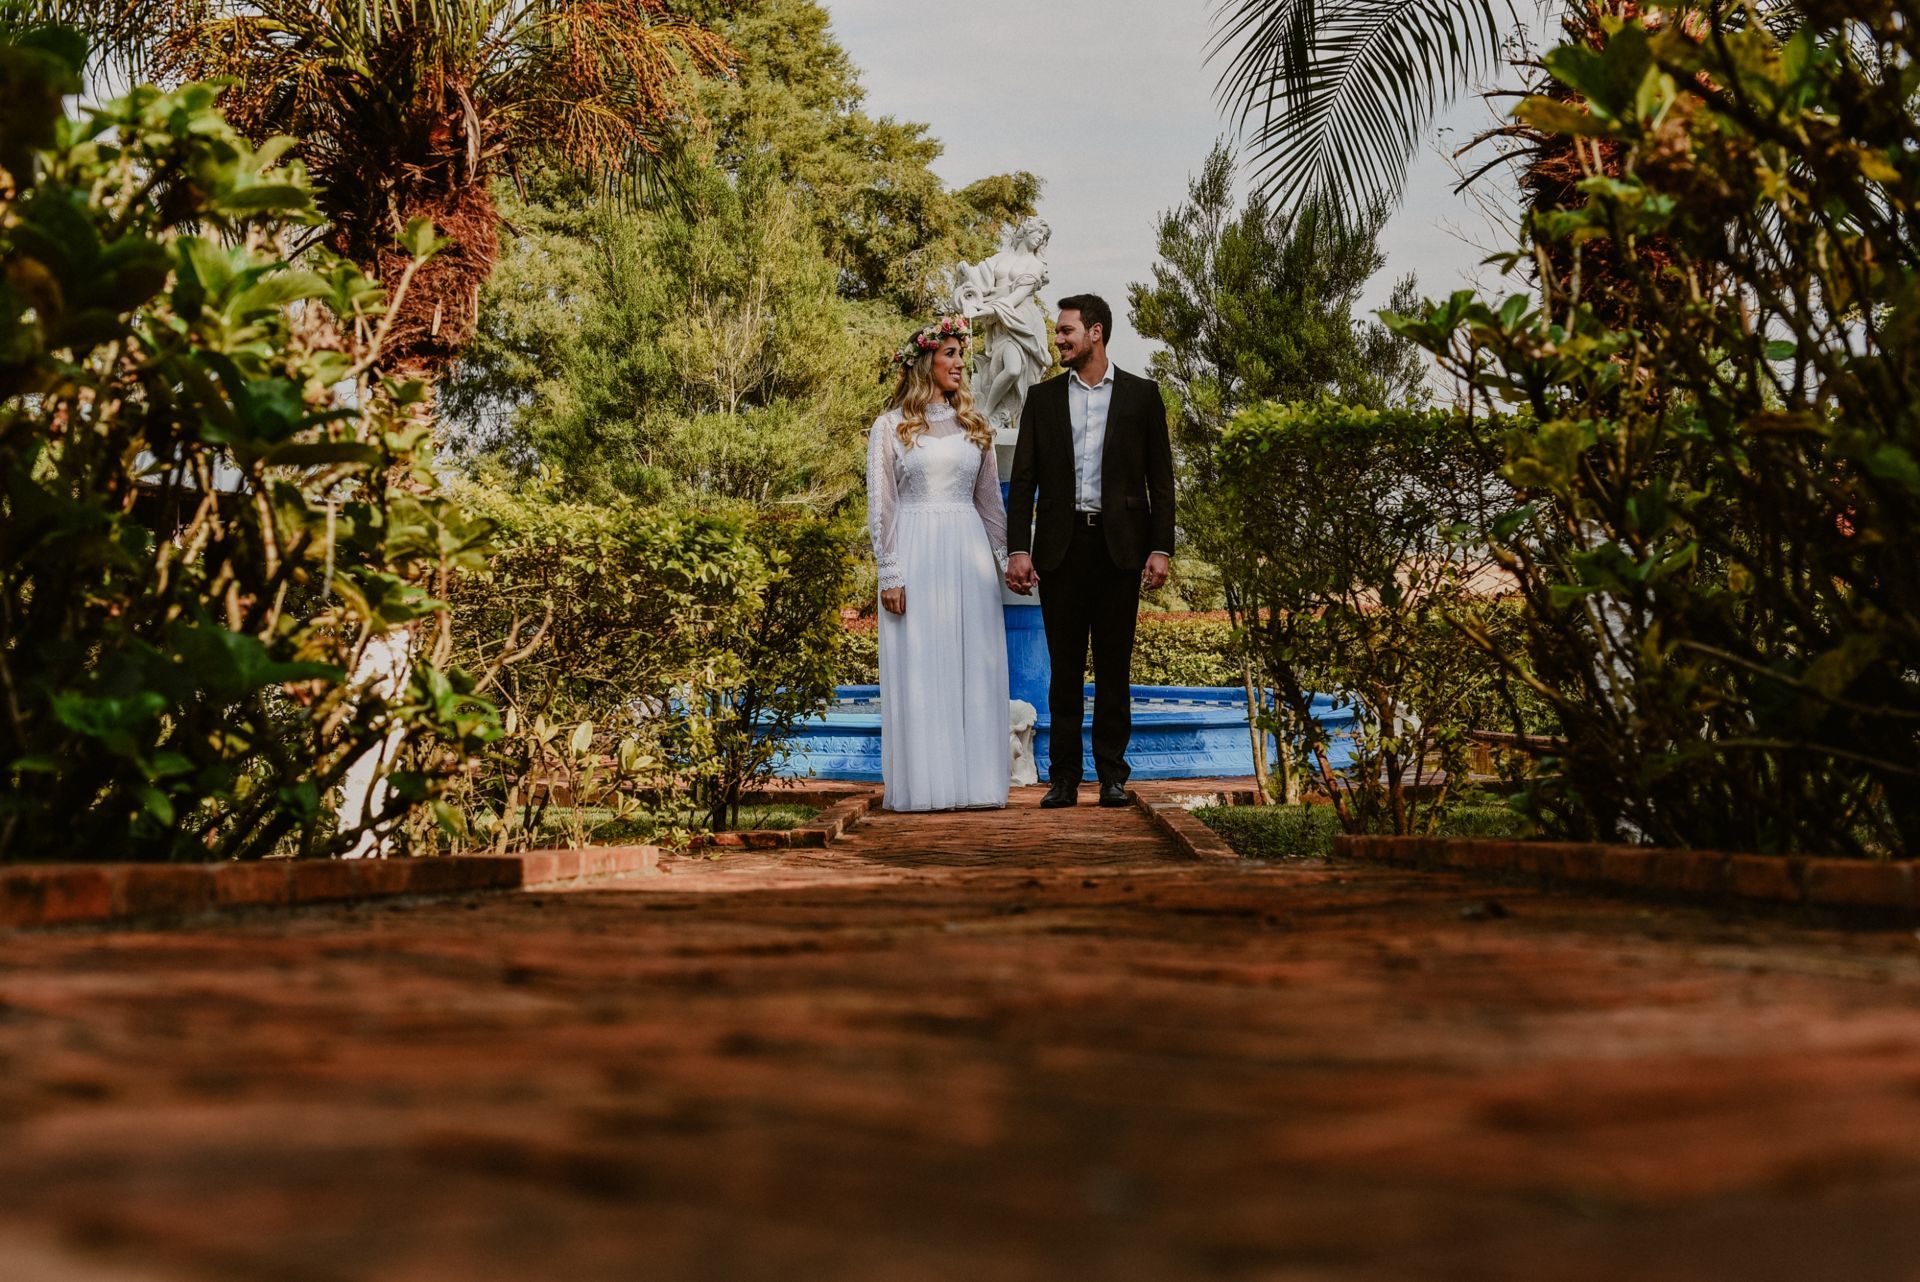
(421, 240)
(322, 454)
(117, 722)
(157, 805)
(262, 198)
(1555, 117)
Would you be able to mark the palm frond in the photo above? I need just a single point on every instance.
(1335, 95)
(122, 33)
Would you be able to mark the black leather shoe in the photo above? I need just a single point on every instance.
(1114, 794)
(1064, 793)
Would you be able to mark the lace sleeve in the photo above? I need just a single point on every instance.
(991, 507)
(882, 500)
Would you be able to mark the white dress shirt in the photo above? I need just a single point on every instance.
(1087, 406)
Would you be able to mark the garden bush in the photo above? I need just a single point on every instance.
(1349, 571)
(199, 535)
(785, 644)
(1184, 650)
(592, 624)
(1720, 468)
(647, 659)
(860, 654)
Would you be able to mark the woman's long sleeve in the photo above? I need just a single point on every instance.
(991, 505)
(882, 503)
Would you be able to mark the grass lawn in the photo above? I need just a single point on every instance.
(604, 830)
(1307, 832)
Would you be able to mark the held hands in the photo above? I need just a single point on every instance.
(894, 600)
(1020, 575)
(1155, 572)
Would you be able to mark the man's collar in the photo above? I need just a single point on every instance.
(1074, 374)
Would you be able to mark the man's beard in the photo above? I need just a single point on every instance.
(1076, 361)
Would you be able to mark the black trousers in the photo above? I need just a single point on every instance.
(1088, 599)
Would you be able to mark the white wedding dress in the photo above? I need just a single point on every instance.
(940, 531)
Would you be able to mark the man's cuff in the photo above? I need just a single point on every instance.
(1156, 552)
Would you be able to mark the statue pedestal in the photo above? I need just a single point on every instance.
(1028, 668)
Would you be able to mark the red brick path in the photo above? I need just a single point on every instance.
(986, 1048)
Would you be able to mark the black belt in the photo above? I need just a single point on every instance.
(1086, 518)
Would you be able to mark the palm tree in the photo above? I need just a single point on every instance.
(1338, 93)
(403, 109)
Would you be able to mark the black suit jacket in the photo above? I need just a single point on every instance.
(1136, 475)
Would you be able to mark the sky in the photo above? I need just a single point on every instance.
(1111, 102)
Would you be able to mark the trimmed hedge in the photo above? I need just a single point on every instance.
(1184, 650)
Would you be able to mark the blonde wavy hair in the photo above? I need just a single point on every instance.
(916, 391)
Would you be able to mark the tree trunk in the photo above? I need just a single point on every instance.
(1289, 733)
(1255, 698)
(441, 309)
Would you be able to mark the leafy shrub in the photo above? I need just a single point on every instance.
(644, 657)
(594, 625)
(1721, 467)
(1349, 572)
(785, 645)
(1486, 819)
(1184, 650)
(198, 537)
(860, 654)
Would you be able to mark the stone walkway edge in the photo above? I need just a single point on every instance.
(1194, 838)
(38, 895)
(841, 811)
(1882, 888)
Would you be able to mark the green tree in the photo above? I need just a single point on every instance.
(885, 220)
(403, 110)
(1256, 305)
(697, 350)
(726, 346)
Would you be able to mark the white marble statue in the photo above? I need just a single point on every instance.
(1022, 721)
(1001, 297)
(384, 668)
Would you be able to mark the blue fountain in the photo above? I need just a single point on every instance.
(1179, 732)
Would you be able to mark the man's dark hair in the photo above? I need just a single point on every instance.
(1093, 311)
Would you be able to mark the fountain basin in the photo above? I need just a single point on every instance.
(1179, 732)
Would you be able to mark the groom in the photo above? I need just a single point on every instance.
(1093, 443)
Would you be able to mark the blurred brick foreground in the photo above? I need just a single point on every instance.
(1004, 1048)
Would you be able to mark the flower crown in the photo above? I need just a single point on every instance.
(928, 338)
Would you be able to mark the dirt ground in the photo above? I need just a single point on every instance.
(1002, 1047)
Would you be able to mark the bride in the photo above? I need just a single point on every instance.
(940, 539)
